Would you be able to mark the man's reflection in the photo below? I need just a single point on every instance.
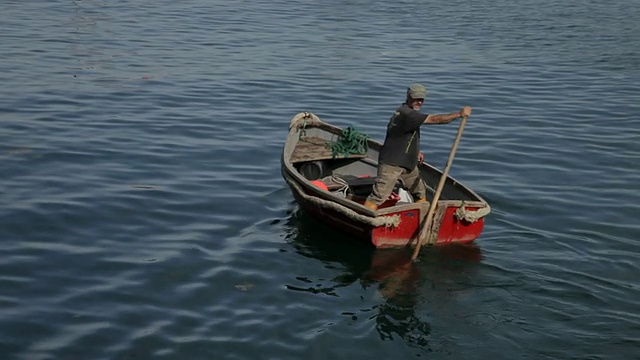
(401, 283)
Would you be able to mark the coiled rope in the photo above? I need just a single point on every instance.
(472, 215)
(349, 142)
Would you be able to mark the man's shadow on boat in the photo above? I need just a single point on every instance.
(402, 283)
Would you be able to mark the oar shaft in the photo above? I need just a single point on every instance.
(436, 197)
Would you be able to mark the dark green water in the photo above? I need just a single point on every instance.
(143, 215)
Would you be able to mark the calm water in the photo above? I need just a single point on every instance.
(143, 214)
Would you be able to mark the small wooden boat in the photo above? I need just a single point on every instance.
(332, 188)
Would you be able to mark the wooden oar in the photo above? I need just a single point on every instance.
(436, 197)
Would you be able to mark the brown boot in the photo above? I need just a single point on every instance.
(370, 205)
(421, 200)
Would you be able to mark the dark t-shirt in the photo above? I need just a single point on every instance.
(401, 144)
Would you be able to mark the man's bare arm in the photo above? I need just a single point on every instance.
(447, 118)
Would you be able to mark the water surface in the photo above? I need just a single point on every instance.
(144, 216)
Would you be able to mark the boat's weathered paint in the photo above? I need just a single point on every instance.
(453, 230)
(407, 231)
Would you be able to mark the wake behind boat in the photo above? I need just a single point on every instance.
(331, 184)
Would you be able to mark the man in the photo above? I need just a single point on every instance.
(400, 153)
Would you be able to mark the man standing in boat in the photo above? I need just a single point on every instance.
(400, 152)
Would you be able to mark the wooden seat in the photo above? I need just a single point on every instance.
(315, 148)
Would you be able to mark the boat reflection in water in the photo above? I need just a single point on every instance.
(439, 274)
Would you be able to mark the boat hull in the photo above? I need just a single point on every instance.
(449, 229)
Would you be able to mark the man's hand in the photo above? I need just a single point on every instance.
(420, 157)
(466, 111)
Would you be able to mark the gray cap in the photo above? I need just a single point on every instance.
(416, 91)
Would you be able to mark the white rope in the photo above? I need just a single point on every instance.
(340, 181)
(305, 118)
(472, 215)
